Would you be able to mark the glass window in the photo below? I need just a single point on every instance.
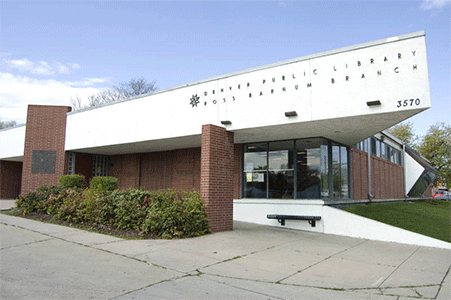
(340, 172)
(301, 169)
(336, 171)
(378, 148)
(373, 146)
(398, 157)
(100, 165)
(255, 166)
(71, 163)
(308, 168)
(325, 191)
(383, 150)
(281, 172)
(421, 185)
(344, 174)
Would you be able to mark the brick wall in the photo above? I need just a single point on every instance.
(216, 184)
(359, 174)
(387, 178)
(45, 131)
(126, 168)
(10, 179)
(157, 170)
(177, 169)
(186, 169)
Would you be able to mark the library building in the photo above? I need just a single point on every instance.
(279, 145)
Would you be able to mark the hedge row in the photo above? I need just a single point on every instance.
(98, 183)
(165, 214)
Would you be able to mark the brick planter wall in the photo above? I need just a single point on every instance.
(216, 177)
(44, 155)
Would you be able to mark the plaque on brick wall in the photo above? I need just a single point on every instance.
(43, 162)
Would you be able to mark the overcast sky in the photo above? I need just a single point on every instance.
(51, 51)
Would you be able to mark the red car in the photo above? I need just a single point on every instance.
(442, 194)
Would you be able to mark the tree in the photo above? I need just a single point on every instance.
(405, 132)
(7, 124)
(124, 90)
(436, 147)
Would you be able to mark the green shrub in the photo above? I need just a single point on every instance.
(72, 181)
(166, 214)
(103, 183)
(40, 200)
(71, 206)
(131, 208)
(29, 203)
(174, 215)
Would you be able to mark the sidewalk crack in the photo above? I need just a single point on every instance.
(321, 261)
(398, 267)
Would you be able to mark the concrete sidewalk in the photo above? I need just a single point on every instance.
(6, 204)
(44, 261)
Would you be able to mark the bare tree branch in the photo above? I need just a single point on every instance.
(124, 90)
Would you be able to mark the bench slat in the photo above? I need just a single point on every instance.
(281, 218)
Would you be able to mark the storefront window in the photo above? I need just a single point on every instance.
(255, 167)
(309, 169)
(281, 172)
(298, 169)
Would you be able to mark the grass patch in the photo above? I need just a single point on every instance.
(428, 217)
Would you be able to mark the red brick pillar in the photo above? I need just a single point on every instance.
(216, 176)
(44, 155)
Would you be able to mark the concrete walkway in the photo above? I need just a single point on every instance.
(6, 204)
(44, 261)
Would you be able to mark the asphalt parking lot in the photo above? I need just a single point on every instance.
(45, 261)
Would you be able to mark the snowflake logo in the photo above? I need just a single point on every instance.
(194, 100)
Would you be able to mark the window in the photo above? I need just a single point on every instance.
(373, 145)
(71, 163)
(310, 172)
(100, 165)
(295, 169)
(380, 149)
(281, 170)
(255, 167)
(421, 185)
(383, 150)
(340, 172)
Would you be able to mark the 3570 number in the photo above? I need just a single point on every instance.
(408, 102)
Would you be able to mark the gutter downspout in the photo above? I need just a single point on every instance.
(404, 168)
(370, 196)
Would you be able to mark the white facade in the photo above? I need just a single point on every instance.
(12, 142)
(413, 170)
(330, 92)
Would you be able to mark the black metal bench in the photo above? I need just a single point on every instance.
(281, 218)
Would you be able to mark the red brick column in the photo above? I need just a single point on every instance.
(44, 155)
(216, 176)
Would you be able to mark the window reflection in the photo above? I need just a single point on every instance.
(281, 172)
(255, 165)
(302, 169)
(308, 171)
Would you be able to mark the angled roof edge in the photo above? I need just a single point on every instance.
(267, 66)
(420, 159)
(393, 137)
